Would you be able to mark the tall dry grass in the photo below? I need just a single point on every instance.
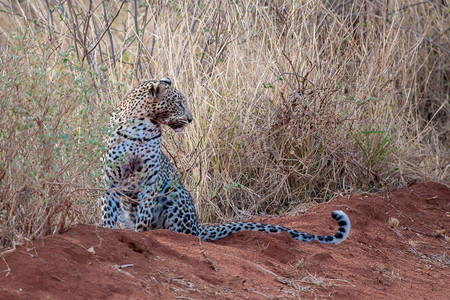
(295, 102)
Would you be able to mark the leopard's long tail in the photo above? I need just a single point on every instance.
(212, 233)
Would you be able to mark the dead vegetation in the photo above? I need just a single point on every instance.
(293, 101)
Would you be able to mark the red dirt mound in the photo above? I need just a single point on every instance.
(397, 248)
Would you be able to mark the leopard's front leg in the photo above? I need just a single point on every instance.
(110, 207)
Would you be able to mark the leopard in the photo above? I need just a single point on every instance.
(143, 190)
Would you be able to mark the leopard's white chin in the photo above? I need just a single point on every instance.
(180, 129)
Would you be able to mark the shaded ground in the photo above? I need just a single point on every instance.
(397, 248)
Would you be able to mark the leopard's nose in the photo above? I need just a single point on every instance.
(189, 118)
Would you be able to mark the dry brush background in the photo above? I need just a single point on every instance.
(295, 102)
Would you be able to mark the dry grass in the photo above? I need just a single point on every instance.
(294, 101)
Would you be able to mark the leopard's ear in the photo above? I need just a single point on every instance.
(166, 80)
(159, 90)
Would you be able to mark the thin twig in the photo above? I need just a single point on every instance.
(8, 270)
(86, 26)
(109, 25)
(209, 260)
(183, 52)
(50, 14)
(136, 28)
(111, 41)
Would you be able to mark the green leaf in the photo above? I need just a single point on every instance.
(232, 186)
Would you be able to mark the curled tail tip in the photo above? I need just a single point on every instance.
(344, 226)
(339, 215)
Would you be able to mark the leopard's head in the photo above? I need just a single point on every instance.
(161, 103)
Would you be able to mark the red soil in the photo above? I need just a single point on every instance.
(380, 259)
